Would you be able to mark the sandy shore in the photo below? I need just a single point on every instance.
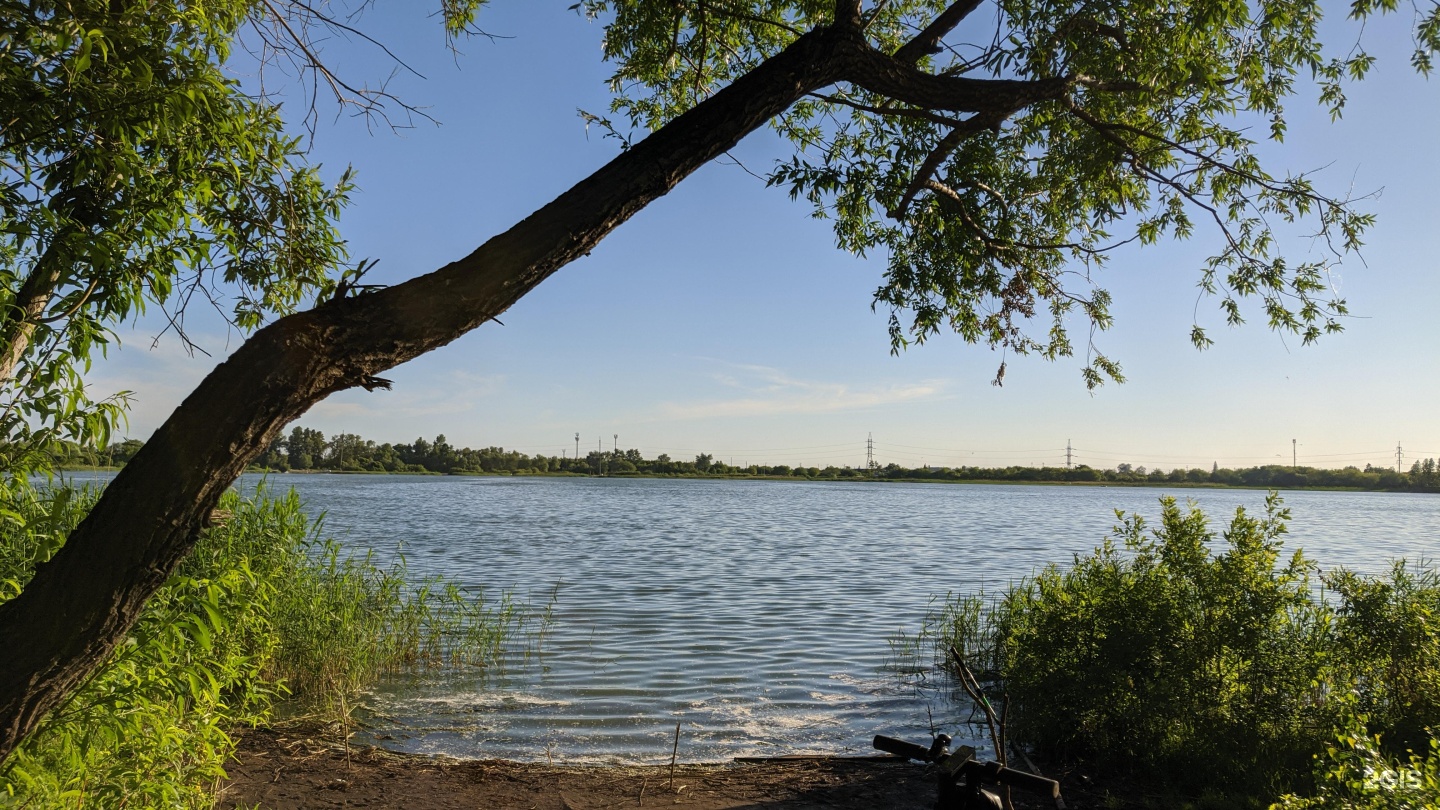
(284, 769)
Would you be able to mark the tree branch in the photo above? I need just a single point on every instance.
(928, 40)
(898, 112)
(1111, 85)
(85, 296)
(18, 322)
(741, 15)
(1108, 128)
(957, 205)
(888, 76)
(937, 156)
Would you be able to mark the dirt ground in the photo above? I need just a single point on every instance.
(280, 770)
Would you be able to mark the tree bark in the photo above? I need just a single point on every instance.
(18, 322)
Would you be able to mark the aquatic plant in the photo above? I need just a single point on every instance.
(266, 609)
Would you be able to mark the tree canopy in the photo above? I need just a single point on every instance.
(135, 172)
(993, 155)
(990, 153)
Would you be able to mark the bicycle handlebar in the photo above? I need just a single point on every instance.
(963, 762)
(1020, 779)
(902, 748)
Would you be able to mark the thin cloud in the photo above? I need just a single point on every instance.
(770, 391)
(456, 393)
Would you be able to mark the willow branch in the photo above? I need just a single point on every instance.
(896, 112)
(938, 156)
(928, 40)
(85, 296)
(1261, 181)
(881, 73)
(746, 17)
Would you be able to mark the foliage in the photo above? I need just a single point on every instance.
(1166, 657)
(1175, 655)
(137, 173)
(151, 728)
(1355, 773)
(1388, 630)
(263, 610)
(1426, 474)
(994, 177)
(1124, 122)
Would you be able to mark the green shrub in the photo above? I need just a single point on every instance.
(1167, 657)
(1199, 663)
(1355, 773)
(263, 609)
(1388, 643)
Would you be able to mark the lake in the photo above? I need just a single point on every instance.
(756, 614)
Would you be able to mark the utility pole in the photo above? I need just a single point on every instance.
(870, 451)
(1294, 456)
(1398, 456)
(1068, 453)
(616, 449)
(577, 445)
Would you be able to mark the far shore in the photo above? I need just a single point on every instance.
(799, 479)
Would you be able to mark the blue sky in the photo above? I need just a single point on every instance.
(722, 319)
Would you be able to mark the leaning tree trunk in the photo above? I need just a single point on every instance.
(81, 603)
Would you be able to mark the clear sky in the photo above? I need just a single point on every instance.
(722, 319)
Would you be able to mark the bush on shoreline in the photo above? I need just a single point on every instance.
(1203, 664)
(264, 610)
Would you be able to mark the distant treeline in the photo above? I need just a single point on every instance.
(308, 449)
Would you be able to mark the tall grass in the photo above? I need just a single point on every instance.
(341, 621)
(264, 610)
(1205, 663)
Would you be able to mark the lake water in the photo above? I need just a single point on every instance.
(756, 614)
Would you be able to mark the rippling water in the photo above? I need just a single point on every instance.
(755, 614)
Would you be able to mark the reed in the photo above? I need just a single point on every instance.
(266, 611)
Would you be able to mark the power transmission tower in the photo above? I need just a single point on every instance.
(616, 448)
(1067, 454)
(870, 451)
(1294, 456)
(1398, 456)
(577, 445)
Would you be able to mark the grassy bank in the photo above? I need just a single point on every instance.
(265, 612)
